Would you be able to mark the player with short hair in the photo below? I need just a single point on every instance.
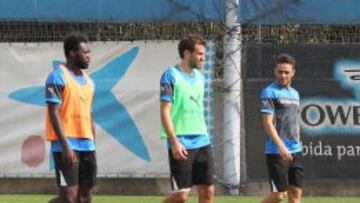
(183, 124)
(69, 123)
(280, 118)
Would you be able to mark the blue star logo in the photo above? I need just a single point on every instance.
(108, 113)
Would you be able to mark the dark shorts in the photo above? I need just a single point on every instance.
(83, 173)
(197, 169)
(284, 173)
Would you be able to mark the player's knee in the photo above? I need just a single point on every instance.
(65, 197)
(179, 197)
(69, 199)
(295, 193)
(85, 199)
(280, 196)
(207, 193)
(85, 194)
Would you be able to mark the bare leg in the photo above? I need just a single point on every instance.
(274, 197)
(295, 194)
(206, 193)
(67, 194)
(85, 193)
(177, 197)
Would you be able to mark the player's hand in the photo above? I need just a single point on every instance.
(285, 155)
(179, 152)
(69, 157)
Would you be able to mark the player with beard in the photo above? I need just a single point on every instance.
(183, 124)
(69, 123)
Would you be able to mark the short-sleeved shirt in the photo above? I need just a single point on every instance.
(167, 82)
(283, 103)
(53, 94)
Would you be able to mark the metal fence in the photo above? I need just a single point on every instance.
(32, 32)
(251, 33)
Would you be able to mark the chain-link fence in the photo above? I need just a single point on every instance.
(52, 32)
(300, 34)
(251, 33)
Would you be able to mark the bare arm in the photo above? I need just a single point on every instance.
(93, 127)
(267, 121)
(179, 152)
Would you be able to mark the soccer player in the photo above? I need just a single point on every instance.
(280, 118)
(183, 124)
(69, 124)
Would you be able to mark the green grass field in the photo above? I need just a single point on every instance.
(157, 199)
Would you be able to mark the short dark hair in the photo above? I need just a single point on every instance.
(286, 58)
(189, 42)
(72, 42)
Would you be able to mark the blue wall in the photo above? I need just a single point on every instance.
(300, 11)
(111, 10)
(253, 11)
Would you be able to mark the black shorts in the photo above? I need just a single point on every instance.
(284, 173)
(197, 169)
(83, 173)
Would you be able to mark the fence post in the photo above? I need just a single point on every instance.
(232, 97)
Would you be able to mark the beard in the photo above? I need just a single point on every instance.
(194, 65)
(82, 64)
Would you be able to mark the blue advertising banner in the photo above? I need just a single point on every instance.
(328, 79)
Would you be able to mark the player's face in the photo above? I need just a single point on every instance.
(197, 57)
(284, 72)
(82, 56)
